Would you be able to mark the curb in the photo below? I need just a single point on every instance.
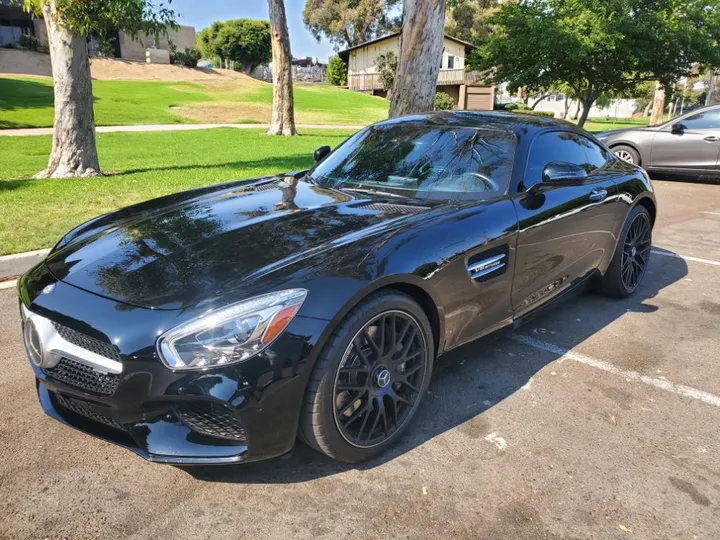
(17, 263)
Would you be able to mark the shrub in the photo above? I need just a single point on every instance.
(443, 102)
(337, 71)
(387, 66)
(537, 113)
(106, 47)
(31, 43)
(189, 58)
(515, 106)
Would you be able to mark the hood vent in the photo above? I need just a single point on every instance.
(387, 208)
(260, 187)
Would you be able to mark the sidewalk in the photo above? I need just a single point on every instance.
(165, 127)
(17, 264)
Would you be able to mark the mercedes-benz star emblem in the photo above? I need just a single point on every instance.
(383, 378)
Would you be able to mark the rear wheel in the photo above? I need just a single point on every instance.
(627, 153)
(632, 256)
(370, 379)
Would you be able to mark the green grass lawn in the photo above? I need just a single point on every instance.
(35, 213)
(596, 125)
(28, 102)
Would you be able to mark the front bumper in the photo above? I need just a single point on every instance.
(244, 412)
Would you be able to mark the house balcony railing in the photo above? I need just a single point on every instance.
(371, 81)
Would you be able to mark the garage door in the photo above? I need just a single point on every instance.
(479, 98)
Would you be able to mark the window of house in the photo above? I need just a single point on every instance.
(451, 61)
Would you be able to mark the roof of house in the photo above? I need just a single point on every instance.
(346, 53)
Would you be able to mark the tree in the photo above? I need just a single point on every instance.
(283, 109)
(207, 41)
(467, 19)
(386, 65)
(597, 46)
(69, 23)
(337, 71)
(421, 45)
(346, 23)
(243, 41)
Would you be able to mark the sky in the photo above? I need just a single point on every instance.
(201, 14)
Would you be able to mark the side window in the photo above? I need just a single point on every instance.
(703, 120)
(597, 157)
(451, 62)
(555, 146)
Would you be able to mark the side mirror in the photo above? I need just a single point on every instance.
(321, 153)
(677, 128)
(559, 172)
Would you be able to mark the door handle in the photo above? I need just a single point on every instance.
(711, 138)
(598, 194)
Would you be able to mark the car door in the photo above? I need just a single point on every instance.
(690, 143)
(564, 229)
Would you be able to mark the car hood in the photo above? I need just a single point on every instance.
(174, 251)
(612, 133)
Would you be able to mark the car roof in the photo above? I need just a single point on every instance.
(498, 120)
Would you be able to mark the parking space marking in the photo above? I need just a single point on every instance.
(711, 213)
(686, 257)
(681, 389)
(8, 284)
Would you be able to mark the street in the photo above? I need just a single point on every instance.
(598, 419)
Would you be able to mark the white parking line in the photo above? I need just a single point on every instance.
(8, 284)
(686, 257)
(711, 213)
(681, 389)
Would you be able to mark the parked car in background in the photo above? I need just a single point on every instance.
(688, 145)
(218, 325)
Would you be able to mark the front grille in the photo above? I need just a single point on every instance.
(82, 376)
(210, 419)
(88, 343)
(83, 409)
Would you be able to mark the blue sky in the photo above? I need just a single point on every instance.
(202, 13)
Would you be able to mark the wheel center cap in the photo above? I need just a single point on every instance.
(633, 251)
(382, 377)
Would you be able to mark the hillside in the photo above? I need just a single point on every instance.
(135, 93)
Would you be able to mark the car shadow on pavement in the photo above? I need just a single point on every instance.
(470, 380)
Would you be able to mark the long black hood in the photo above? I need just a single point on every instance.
(169, 252)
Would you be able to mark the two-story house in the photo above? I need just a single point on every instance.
(461, 85)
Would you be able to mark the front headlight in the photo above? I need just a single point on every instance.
(230, 334)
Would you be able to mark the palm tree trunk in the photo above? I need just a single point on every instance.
(283, 108)
(74, 149)
(421, 44)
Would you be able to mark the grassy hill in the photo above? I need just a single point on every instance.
(28, 102)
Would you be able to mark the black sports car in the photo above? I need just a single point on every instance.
(218, 325)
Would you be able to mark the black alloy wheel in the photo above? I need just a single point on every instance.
(377, 384)
(369, 380)
(632, 255)
(636, 251)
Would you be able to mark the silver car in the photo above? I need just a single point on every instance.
(688, 145)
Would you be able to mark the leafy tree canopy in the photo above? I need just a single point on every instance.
(337, 71)
(244, 41)
(346, 23)
(98, 16)
(467, 19)
(598, 46)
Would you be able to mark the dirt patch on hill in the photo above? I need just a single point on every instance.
(231, 113)
(14, 62)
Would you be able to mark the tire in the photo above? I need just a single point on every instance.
(353, 388)
(627, 153)
(616, 282)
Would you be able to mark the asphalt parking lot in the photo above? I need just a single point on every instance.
(600, 419)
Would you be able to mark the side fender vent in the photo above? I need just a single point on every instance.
(489, 264)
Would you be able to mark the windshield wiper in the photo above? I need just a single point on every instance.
(368, 190)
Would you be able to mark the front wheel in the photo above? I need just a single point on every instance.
(631, 257)
(370, 378)
(626, 153)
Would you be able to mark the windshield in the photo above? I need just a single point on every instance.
(421, 158)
